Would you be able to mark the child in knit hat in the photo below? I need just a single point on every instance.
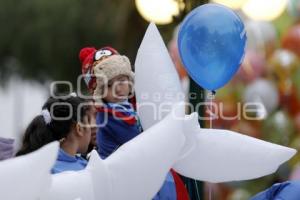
(109, 78)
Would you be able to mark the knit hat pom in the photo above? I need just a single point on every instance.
(85, 52)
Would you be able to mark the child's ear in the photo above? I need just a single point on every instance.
(79, 130)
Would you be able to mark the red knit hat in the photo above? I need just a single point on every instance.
(105, 62)
(88, 56)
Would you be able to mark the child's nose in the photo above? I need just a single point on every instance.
(118, 88)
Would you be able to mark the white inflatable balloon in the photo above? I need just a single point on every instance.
(157, 83)
(92, 183)
(135, 171)
(27, 177)
(223, 156)
(71, 185)
(208, 154)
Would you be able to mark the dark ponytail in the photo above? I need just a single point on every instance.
(63, 113)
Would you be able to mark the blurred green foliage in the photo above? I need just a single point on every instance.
(41, 39)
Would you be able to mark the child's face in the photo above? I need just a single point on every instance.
(85, 133)
(118, 89)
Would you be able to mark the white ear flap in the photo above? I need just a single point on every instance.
(28, 177)
(99, 90)
(126, 60)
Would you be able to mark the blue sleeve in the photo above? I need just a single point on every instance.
(281, 191)
(118, 129)
(54, 171)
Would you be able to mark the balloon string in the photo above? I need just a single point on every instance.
(212, 96)
(213, 93)
(210, 191)
(211, 113)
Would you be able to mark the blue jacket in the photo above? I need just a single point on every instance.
(66, 162)
(118, 124)
(289, 190)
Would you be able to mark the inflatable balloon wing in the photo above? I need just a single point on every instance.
(27, 177)
(72, 185)
(214, 155)
(223, 156)
(161, 94)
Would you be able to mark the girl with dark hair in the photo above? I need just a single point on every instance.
(66, 120)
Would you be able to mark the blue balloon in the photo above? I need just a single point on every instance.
(211, 44)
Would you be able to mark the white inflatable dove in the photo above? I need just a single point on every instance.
(215, 155)
(27, 177)
(136, 171)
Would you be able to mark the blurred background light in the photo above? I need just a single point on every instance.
(159, 11)
(234, 4)
(267, 10)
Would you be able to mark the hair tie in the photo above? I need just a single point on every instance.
(46, 115)
(73, 94)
